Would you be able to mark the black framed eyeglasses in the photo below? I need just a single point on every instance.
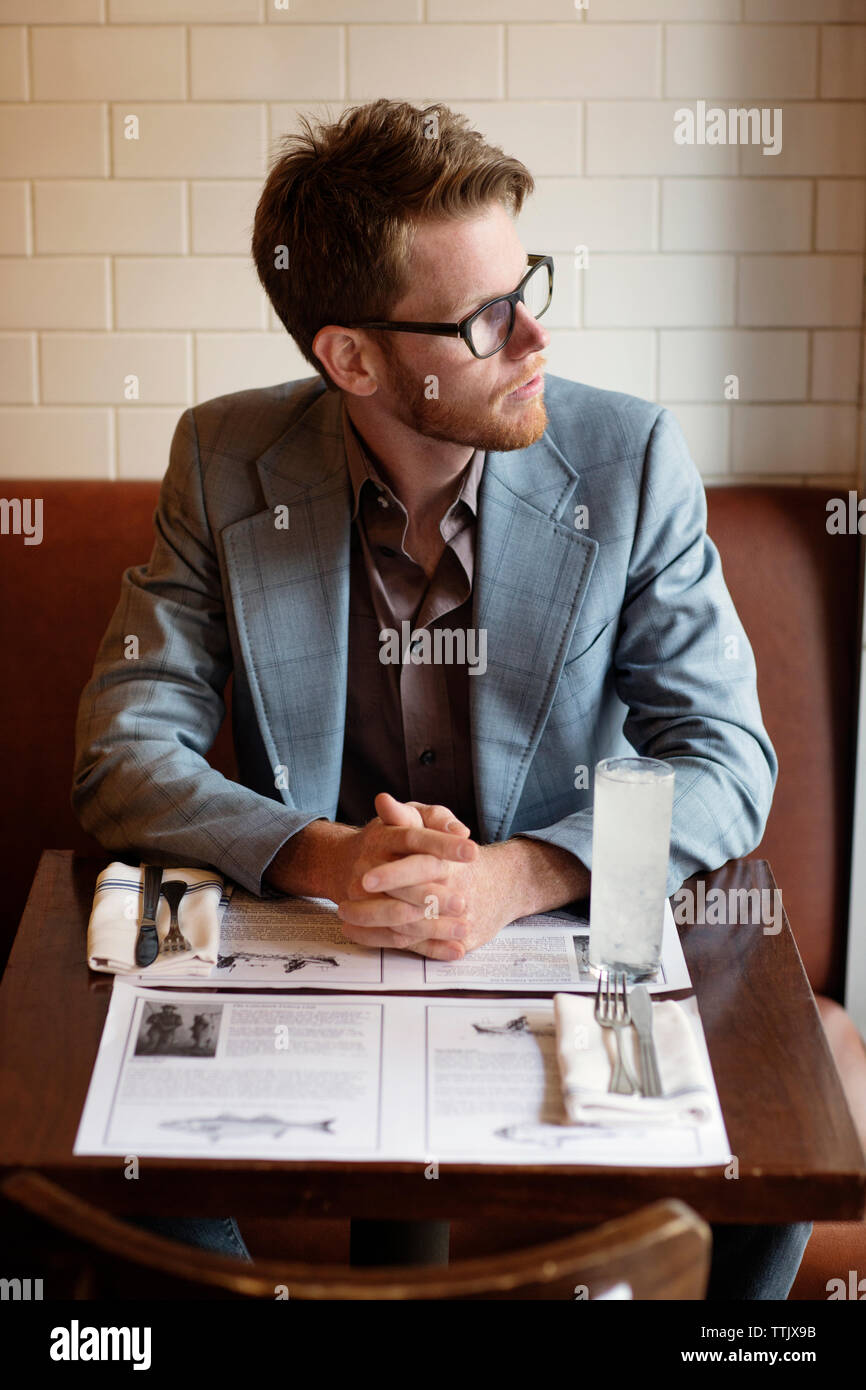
(487, 329)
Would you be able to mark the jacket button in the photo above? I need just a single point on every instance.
(427, 756)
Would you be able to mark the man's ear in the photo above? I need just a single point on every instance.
(348, 358)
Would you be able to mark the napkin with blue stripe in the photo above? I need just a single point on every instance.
(116, 916)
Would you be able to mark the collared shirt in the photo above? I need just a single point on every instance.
(407, 724)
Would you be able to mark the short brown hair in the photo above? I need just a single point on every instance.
(342, 202)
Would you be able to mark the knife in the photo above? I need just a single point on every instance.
(641, 1008)
(147, 945)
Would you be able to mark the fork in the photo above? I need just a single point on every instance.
(612, 1011)
(173, 892)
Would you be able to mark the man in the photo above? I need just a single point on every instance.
(429, 484)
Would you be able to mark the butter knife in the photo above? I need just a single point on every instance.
(147, 945)
(641, 1008)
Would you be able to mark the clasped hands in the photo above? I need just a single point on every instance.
(413, 879)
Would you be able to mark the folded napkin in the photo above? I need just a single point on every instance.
(587, 1054)
(116, 916)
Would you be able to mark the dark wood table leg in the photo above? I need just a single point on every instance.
(399, 1242)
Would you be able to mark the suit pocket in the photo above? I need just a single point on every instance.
(590, 665)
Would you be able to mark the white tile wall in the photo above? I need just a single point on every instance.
(258, 62)
(769, 366)
(81, 215)
(707, 429)
(736, 215)
(222, 213)
(742, 61)
(841, 215)
(176, 292)
(460, 61)
(237, 361)
(618, 214)
(546, 135)
(128, 258)
(13, 64)
(835, 365)
(115, 368)
(17, 368)
(550, 60)
(46, 443)
(623, 361)
(201, 140)
(637, 137)
(660, 291)
(824, 291)
(822, 138)
(14, 219)
(793, 439)
(843, 62)
(143, 441)
(54, 292)
(793, 11)
(145, 63)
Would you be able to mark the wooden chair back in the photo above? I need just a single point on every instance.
(661, 1251)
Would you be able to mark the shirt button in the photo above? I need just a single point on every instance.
(386, 550)
(427, 756)
(383, 501)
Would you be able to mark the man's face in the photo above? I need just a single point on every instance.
(435, 385)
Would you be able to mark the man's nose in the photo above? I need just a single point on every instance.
(528, 334)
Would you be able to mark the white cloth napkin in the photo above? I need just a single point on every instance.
(116, 915)
(587, 1053)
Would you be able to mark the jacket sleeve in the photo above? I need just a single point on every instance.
(154, 705)
(685, 669)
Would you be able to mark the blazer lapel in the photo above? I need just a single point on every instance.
(532, 569)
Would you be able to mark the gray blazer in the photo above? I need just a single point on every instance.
(609, 630)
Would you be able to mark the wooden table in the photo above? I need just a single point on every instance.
(786, 1116)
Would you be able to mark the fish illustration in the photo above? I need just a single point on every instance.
(550, 1136)
(241, 1126)
(515, 1026)
(296, 961)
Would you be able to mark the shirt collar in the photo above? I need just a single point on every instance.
(362, 468)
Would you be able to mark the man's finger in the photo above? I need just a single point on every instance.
(403, 873)
(430, 947)
(433, 900)
(400, 916)
(394, 812)
(410, 839)
(440, 818)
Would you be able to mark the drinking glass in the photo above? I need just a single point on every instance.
(631, 832)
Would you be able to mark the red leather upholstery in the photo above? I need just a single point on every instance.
(795, 589)
(57, 599)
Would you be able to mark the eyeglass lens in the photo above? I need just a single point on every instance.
(490, 330)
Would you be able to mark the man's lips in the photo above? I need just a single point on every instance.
(529, 388)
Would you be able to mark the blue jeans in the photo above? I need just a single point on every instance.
(748, 1262)
(219, 1235)
(756, 1262)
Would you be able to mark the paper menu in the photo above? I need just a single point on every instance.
(298, 942)
(369, 1077)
